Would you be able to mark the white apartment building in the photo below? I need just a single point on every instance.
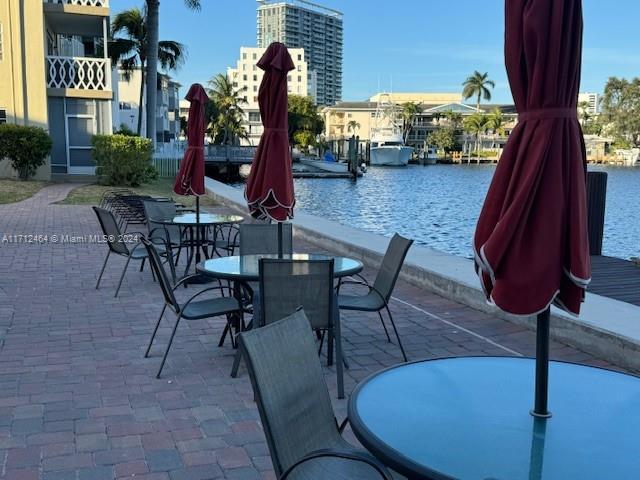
(316, 29)
(247, 76)
(593, 100)
(127, 100)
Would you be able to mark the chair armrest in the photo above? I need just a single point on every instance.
(208, 289)
(342, 426)
(346, 454)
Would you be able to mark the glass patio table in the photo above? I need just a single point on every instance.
(189, 222)
(467, 418)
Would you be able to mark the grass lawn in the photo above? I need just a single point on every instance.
(16, 190)
(163, 187)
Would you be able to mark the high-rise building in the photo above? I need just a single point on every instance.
(316, 29)
(592, 101)
(247, 76)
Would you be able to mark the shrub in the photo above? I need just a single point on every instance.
(123, 160)
(26, 147)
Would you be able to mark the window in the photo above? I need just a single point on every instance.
(244, 77)
(244, 56)
(255, 56)
(288, 78)
(299, 56)
(3, 115)
(255, 78)
(299, 68)
(125, 106)
(254, 116)
(299, 79)
(255, 88)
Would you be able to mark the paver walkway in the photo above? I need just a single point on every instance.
(79, 401)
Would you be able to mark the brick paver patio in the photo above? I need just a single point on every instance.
(79, 401)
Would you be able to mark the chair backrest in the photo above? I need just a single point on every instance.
(111, 231)
(287, 285)
(391, 265)
(293, 399)
(161, 274)
(161, 210)
(257, 238)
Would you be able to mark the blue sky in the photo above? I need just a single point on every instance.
(410, 45)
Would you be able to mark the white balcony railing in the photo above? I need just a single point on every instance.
(84, 3)
(79, 72)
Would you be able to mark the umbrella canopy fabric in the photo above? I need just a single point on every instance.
(269, 190)
(190, 178)
(531, 242)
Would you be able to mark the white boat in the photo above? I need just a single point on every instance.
(387, 144)
(629, 158)
(335, 167)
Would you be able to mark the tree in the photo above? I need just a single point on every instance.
(408, 111)
(476, 125)
(621, 110)
(130, 51)
(443, 138)
(225, 110)
(495, 123)
(353, 126)
(454, 118)
(477, 85)
(305, 124)
(153, 28)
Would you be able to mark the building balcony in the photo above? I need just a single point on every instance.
(72, 4)
(81, 77)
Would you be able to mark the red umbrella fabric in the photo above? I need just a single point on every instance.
(531, 243)
(190, 178)
(269, 190)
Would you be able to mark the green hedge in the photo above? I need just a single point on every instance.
(25, 147)
(123, 160)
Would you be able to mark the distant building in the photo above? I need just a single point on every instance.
(434, 107)
(55, 73)
(592, 100)
(316, 29)
(246, 77)
(167, 106)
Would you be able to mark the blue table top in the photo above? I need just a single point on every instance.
(468, 418)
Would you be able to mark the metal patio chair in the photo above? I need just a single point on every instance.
(303, 436)
(379, 294)
(193, 309)
(163, 210)
(286, 285)
(262, 238)
(117, 246)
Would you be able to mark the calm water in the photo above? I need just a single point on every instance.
(438, 205)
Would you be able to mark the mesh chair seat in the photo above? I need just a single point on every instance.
(211, 307)
(335, 468)
(371, 302)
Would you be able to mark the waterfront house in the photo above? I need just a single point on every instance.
(56, 74)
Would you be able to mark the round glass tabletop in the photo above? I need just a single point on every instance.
(245, 267)
(189, 219)
(468, 418)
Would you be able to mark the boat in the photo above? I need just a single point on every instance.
(335, 167)
(387, 144)
(629, 158)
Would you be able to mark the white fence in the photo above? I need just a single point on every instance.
(84, 3)
(79, 72)
(166, 167)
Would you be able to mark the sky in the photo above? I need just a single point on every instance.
(403, 45)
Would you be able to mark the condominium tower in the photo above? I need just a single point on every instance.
(316, 29)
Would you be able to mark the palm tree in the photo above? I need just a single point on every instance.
(408, 111)
(478, 85)
(229, 101)
(454, 118)
(353, 126)
(476, 125)
(583, 110)
(495, 122)
(130, 51)
(151, 54)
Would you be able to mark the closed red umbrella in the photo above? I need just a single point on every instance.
(190, 178)
(269, 190)
(531, 244)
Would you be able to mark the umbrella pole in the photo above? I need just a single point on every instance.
(280, 240)
(542, 365)
(197, 229)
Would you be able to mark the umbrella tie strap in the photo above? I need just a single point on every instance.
(272, 129)
(548, 113)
